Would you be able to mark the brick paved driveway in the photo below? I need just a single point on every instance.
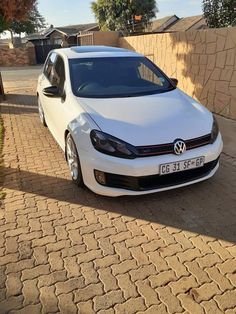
(65, 249)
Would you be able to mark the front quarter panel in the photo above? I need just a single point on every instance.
(80, 129)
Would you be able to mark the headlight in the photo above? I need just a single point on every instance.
(110, 145)
(214, 131)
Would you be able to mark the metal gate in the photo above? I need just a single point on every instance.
(85, 39)
(42, 51)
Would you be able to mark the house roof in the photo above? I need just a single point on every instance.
(75, 29)
(69, 30)
(35, 36)
(162, 24)
(186, 23)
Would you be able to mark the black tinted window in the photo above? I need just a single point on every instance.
(58, 73)
(117, 77)
(49, 64)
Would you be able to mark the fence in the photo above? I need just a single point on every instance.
(203, 61)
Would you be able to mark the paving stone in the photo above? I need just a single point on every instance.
(64, 249)
(30, 292)
(35, 308)
(154, 309)
(108, 300)
(35, 272)
(89, 273)
(105, 245)
(228, 266)
(106, 261)
(170, 301)
(189, 304)
(89, 292)
(211, 307)
(86, 307)
(145, 290)
(12, 303)
(122, 251)
(66, 303)
(205, 292)
(219, 279)
(72, 267)
(208, 260)
(162, 278)
(48, 299)
(13, 284)
(127, 286)
(200, 274)
(178, 267)
(226, 300)
(108, 280)
(131, 306)
(52, 278)
(90, 242)
(159, 262)
(40, 255)
(124, 267)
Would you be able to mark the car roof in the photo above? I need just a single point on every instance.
(95, 52)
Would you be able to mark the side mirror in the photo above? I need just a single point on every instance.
(174, 81)
(52, 91)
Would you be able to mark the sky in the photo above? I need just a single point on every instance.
(62, 12)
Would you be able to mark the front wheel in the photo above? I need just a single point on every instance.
(73, 161)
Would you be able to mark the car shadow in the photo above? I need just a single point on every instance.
(21, 99)
(206, 208)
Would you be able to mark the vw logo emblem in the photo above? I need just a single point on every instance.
(179, 147)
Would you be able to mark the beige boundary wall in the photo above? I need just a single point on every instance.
(17, 56)
(203, 61)
(100, 38)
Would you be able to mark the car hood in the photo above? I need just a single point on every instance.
(149, 120)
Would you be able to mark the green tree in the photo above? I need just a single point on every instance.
(118, 15)
(220, 13)
(13, 10)
(34, 22)
(31, 22)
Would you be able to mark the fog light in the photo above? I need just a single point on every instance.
(100, 177)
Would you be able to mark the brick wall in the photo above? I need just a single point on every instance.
(17, 56)
(106, 38)
(99, 38)
(203, 61)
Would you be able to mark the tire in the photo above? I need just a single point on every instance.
(73, 161)
(41, 113)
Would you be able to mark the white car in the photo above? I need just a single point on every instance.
(125, 128)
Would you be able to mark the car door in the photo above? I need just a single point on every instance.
(58, 109)
(53, 106)
(45, 81)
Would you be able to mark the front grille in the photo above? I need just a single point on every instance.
(152, 182)
(156, 150)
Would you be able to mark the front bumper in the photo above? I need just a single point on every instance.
(141, 175)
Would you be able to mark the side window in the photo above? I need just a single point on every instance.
(49, 65)
(57, 76)
(148, 75)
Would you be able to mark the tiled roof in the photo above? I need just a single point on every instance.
(35, 36)
(74, 29)
(161, 24)
(186, 23)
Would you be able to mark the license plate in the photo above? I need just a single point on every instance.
(182, 165)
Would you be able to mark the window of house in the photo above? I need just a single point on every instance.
(57, 41)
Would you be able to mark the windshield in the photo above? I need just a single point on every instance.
(116, 77)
